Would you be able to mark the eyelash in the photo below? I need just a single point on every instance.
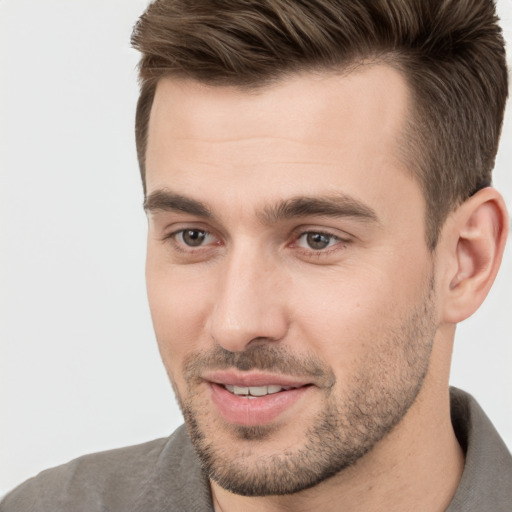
(306, 234)
(339, 243)
(183, 247)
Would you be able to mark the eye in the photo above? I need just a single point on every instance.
(194, 237)
(317, 240)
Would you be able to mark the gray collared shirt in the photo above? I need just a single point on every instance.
(486, 483)
(165, 475)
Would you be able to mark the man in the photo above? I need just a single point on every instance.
(317, 183)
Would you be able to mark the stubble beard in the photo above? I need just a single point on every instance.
(349, 426)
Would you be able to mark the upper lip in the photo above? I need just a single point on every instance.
(252, 379)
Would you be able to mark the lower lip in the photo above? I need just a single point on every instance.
(253, 411)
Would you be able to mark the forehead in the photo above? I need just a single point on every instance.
(322, 130)
(367, 93)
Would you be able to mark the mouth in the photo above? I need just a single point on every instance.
(254, 399)
(257, 391)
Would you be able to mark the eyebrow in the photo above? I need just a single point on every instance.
(335, 205)
(164, 200)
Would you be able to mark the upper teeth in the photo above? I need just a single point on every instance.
(256, 390)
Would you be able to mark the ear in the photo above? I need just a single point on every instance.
(473, 241)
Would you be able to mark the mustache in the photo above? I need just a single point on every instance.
(276, 359)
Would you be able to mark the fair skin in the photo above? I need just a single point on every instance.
(286, 234)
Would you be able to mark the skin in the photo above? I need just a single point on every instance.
(375, 310)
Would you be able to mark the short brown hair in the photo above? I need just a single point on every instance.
(451, 52)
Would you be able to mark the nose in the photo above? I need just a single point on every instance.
(249, 306)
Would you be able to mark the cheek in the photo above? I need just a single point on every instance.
(346, 316)
(178, 310)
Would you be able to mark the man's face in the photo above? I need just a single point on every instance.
(289, 281)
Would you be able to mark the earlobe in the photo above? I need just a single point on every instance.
(476, 240)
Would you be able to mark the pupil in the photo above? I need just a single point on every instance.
(318, 240)
(193, 237)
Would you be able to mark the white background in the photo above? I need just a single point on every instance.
(80, 371)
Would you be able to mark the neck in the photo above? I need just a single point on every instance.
(417, 467)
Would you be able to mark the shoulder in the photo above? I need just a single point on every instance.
(121, 479)
(486, 482)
